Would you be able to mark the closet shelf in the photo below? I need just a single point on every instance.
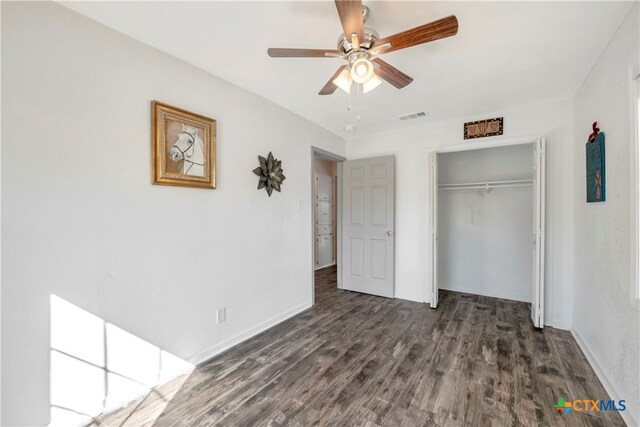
(486, 185)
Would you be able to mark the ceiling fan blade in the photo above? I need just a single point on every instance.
(378, 49)
(445, 27)
(330, 87)
(303, 53)
(391, 74)
(350, 12)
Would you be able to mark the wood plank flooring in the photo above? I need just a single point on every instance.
(361, 360)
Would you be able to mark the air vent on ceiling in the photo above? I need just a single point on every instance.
(413, 116)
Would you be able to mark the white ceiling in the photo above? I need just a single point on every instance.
(505, 53)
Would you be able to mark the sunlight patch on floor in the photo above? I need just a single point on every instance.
(96, 366)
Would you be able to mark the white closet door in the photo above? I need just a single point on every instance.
(433, 189)
(325, 253)
(537, 305)
(324, 213)
(324, 250)
(324, 187)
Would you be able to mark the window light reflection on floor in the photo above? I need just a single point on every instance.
(96, 366)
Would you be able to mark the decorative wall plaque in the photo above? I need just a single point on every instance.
(482, 128)
(596, 177)
(270, 173)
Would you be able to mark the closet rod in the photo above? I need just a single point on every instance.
(486, 185)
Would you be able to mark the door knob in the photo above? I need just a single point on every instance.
(389, 233)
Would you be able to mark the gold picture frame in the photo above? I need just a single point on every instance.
(183, 147)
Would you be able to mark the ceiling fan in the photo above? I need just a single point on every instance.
(360, 47)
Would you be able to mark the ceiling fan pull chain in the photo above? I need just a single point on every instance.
(358, 104)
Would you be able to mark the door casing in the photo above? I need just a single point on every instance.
(319, 152)
(430, 296)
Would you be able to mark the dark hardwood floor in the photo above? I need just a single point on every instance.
(356, 359)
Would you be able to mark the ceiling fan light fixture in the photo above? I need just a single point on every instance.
(371, 84)
(361, 70)
(343, 81)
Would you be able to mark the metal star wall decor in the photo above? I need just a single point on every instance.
(270, 173)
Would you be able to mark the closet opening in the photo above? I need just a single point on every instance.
(326, 168)
(487, 223)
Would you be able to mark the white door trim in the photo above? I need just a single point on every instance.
(489, 143)
(539, 231)
(433, 222)
(467, 146)
(319, 152)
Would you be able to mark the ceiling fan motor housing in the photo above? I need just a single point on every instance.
(345, 47)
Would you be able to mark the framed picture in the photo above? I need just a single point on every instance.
(596, 177)
(183, 147)
(482, 128)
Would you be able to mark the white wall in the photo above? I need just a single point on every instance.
(484, 237)
(410, 147)
(81, 220)
(604, 318)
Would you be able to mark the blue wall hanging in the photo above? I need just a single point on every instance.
(596, 177)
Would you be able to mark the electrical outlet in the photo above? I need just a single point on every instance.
(221, 315)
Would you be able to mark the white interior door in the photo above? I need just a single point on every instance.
(537, 304)
(433, 189)
(368, 208)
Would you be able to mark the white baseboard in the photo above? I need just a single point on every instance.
(559, 325)
(324, 266)
(627, 416)
(245, 335)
